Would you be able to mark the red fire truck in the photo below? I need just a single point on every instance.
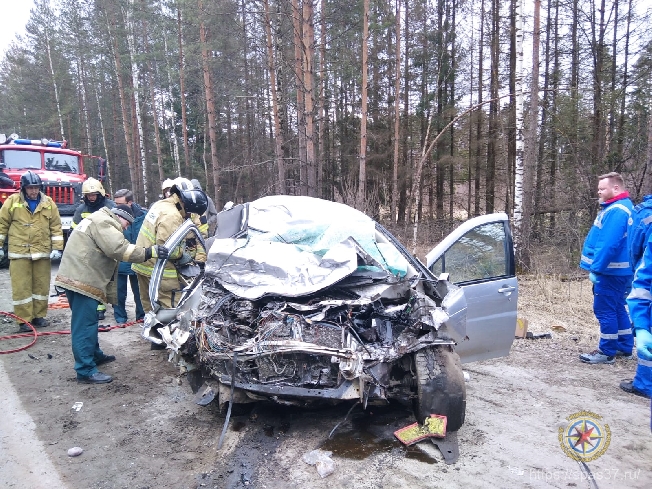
(61, 171)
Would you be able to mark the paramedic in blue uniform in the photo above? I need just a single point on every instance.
(606, 257)
(640, 299)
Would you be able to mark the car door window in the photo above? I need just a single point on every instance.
(478, 255)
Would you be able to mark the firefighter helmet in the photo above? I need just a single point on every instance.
(193, 200)
(167, 184)
(30, 178)
(93, 186)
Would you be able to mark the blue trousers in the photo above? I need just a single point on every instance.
(83, 333)
(119, 310)
(643, 377)
(609, 295)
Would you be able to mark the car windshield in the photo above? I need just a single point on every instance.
(62, 162)
(298, 245)
(21, 160)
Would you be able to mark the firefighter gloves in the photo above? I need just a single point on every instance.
(55, 255)
(156, 251)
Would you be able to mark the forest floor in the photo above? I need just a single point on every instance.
(144, 429)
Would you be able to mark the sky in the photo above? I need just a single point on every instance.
(13, 18)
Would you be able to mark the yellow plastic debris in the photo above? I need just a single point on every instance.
(434, 426)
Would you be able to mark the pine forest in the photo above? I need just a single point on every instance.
(421, 113)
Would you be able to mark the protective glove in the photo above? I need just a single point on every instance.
(593, 278)
(184, 260)
(161, 252)
(55, 255)
(644, 344)
(2, 254)
(156, 251)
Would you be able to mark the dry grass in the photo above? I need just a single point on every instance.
(547, 301)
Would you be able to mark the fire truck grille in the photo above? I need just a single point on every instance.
(61, 195)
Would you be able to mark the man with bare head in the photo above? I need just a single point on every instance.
(606, 257)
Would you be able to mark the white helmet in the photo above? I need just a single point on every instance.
(167, 184)
(92, 186)
(182, 184)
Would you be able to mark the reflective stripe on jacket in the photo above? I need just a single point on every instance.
(30, 235)
(639, 231)
(89, 265)
(83, 211)
(639, 300)
(605, 247)
(162, 219)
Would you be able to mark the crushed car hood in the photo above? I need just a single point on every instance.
(297, 246)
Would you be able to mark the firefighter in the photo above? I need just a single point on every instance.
(210, 216)
(166, 186)
(94, 197)
(87, 272)
(163, 219)
(5, 180)
(30, 221)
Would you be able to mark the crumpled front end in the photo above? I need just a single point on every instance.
(305, 308)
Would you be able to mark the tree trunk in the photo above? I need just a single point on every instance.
(54, 82)
(172, 119)
(297, 16)
(308, 40)
(135, 73)
(523, 252)
(271, 66)
(362, 176)
(123, 102)
(511, 129)
(397, 114)
(479, 116)
(182, 88)
(210, 105)
(490, 174)
(519, 193)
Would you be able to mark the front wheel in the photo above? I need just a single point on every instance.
(440, 386)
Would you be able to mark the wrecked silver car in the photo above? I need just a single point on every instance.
(304, 300)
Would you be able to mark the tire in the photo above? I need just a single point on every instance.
(440, 386)
(4, 263)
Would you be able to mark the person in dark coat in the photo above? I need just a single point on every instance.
(125, 274)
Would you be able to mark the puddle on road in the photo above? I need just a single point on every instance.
(361, 442)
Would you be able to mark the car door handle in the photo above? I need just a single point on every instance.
(507, 290)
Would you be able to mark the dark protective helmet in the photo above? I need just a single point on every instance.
(30, 178)
(194, 201)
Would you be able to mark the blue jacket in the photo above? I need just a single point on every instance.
(639, 231)
(131, 233)
(605, 247)
(639, 300)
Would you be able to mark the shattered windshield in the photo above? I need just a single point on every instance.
(299, 245)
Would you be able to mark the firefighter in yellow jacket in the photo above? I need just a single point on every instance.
(161, 221)
(30, 221)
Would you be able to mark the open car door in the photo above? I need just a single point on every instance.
(479, 257)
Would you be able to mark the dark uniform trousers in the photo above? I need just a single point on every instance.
(84, 333)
